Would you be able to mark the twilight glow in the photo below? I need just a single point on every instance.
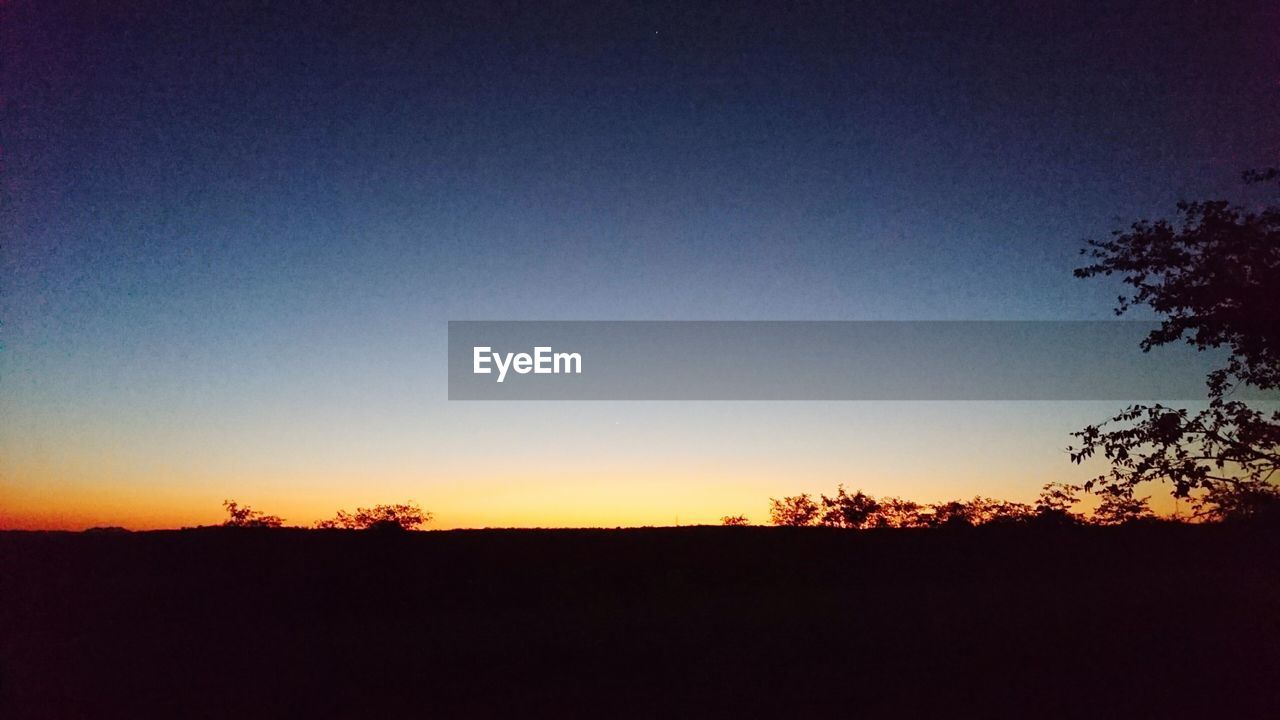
(229, 261)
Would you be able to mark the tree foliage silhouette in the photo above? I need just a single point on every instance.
(949, 514)
(897, 513)
(860, 511)
(734, 520)
(406, 516)
(848, 511)
(1215, 278)
(794, 511)
(1056, 502)
(245, 517)
(1119, 505)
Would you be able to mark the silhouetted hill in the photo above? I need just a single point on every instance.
(1106, 622)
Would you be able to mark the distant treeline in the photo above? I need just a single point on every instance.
(1055, 505)
(403, 516)
(857, 510)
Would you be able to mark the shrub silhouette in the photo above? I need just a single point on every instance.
(245, 517)
(1119, 506)
(794, 511)
(1055, 503)
(989, 510)
(898, 513)
(978, 511)
(1250, 502)
(859, 510)
(406, 516)
(950, 514)
(1054, 506)
(848, 511)
(734, 520)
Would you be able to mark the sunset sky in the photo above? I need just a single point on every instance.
(233, 237)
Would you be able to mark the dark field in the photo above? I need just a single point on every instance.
(1138, 621)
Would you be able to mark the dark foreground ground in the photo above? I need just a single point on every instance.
(1152, 621)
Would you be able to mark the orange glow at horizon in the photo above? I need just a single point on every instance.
(534, 465)
(622, 501)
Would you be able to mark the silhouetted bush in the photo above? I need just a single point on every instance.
(898, 513)
(246, 517)
(1055, 503)
(848, 511)
(1251, 501)
(1119, 505)
(1054, 506)
(1000, 512)
(950, 514)
(406, 516)
(794, 511)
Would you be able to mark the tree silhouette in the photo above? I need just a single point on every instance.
(1215, 279)
(407, 516)
(989, 510)
(734, 520)
(953, 513)
(897, 513)
(1056, 502)
(1054, 506)
(1249, 501)
(1119, 506)
(848, 511)
(244, 516)
(793, 511)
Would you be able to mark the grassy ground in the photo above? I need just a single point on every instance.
(1137, 621)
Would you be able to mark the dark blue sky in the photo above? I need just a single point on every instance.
(908, 158)
(253, 217)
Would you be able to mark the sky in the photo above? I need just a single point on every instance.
(233, 236)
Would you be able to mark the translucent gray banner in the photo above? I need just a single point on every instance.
(787, 360)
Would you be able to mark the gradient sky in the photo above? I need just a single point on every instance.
(233, 236)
